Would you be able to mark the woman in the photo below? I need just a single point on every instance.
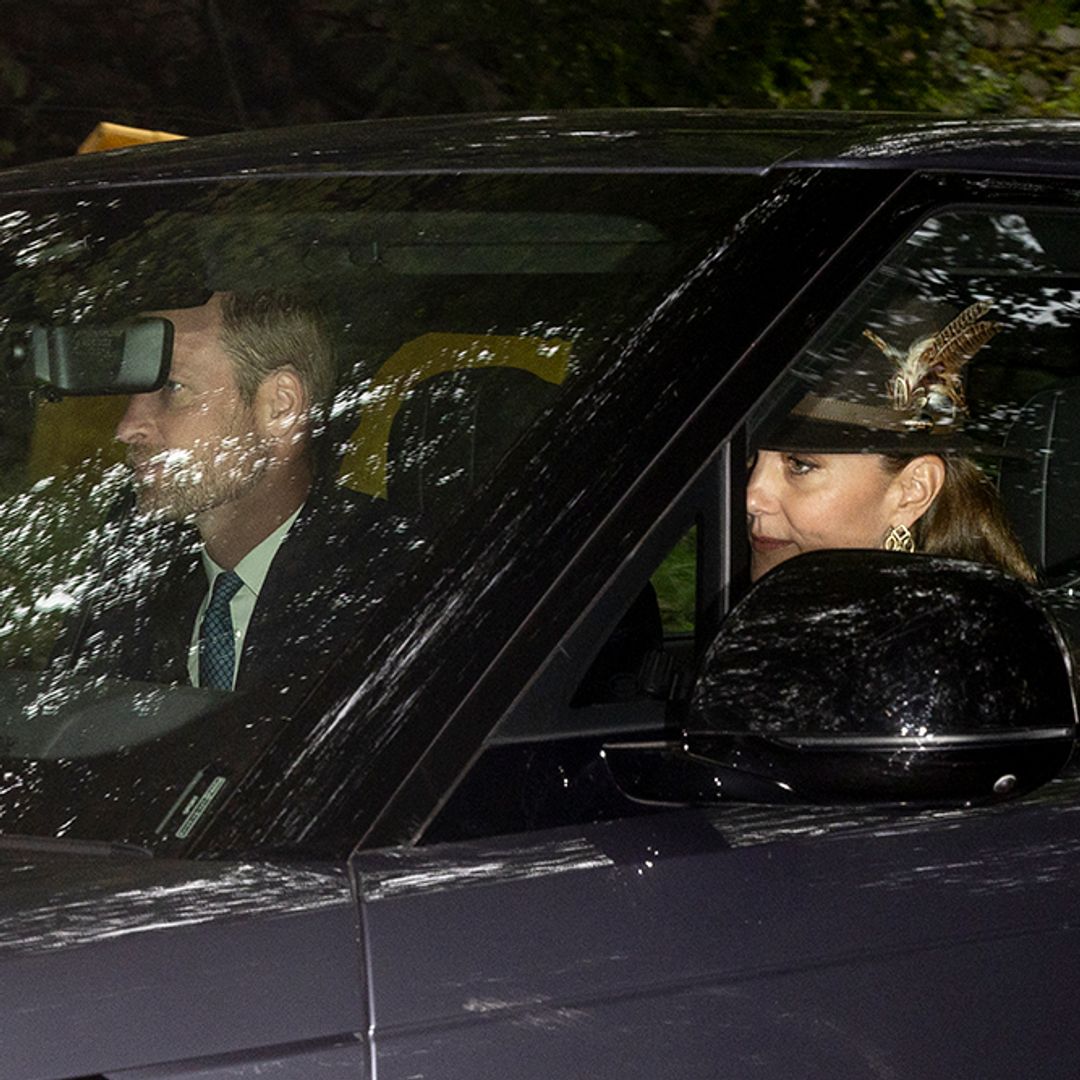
(879, 462)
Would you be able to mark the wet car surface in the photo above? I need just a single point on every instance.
(479, 813)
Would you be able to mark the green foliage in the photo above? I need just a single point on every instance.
(1043, 15)
(861, 55)
(553, 54)
(67, 64)
(675, 582)
(409, 56)
(14, 76)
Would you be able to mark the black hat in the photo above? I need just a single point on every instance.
(906, 397)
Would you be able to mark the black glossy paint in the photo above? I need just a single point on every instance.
(958, 687)
(632, 141)
(113, 962)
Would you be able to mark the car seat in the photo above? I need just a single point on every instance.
(442, 413)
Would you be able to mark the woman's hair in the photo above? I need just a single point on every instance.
(967, 520)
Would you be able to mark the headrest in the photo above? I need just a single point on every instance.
(452, 431)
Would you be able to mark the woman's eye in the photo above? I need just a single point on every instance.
(800, 466)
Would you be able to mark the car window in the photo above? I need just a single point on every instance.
(1006, 277)
(1005, 283)
(675, 582)
(464, 314)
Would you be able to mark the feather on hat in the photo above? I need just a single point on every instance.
(907, 400)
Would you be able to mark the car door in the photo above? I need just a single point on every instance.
(685, 943)
(116, 964)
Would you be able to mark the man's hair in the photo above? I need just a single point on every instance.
(270, 329)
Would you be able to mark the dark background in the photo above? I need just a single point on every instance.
(200, 66)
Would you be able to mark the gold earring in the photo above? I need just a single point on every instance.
(899, 538)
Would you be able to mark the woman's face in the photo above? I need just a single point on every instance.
(798, 502)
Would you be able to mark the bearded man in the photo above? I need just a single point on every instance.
(260, 592)
(225, 443)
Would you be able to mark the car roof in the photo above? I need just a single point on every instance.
(633, 140)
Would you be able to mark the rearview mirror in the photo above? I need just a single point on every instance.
(873, 676)
(119, 358)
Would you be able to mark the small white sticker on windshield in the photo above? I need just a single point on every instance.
(198, 805)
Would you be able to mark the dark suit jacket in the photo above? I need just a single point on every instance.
(330, 571)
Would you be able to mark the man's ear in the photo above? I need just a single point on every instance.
(919, 483)
(281, 403)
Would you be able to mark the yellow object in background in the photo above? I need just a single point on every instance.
(364, 465)
(75, 433)
(78, 432)
(107, 136)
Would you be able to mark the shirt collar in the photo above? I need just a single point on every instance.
(255, 565)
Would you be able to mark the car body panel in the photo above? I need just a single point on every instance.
(138, 961)
(768, 951)
(639, 141)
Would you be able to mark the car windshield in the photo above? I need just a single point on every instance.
(461, 312)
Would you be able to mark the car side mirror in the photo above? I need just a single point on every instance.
(130, 357)
(871, 676)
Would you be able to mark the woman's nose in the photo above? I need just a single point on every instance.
(760, 497)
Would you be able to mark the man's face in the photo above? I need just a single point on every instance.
(193, 445)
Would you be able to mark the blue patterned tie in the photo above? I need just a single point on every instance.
(217, 643)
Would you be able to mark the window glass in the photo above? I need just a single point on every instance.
(961, 347)
(964, 345)
(305, 383)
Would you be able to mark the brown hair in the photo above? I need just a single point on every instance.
(271, 329)
(967, 520)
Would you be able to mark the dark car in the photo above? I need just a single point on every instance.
(554, 790)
